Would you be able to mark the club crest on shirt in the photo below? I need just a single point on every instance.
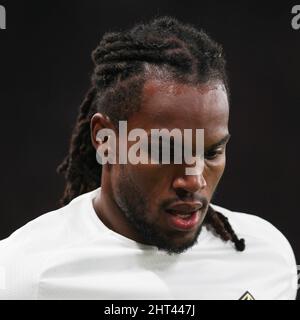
(247, 296)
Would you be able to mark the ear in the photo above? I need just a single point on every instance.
(98, 122)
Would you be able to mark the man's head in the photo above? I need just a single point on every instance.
(143, 192)
(158, 75)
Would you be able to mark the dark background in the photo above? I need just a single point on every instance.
(45, 68)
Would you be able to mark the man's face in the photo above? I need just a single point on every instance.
(145, 192)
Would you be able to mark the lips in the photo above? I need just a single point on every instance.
(184, 216)
(184, 208)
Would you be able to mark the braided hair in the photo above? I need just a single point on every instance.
(123, 61)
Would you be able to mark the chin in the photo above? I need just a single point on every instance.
(181, 244)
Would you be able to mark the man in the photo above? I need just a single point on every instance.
(150, 231)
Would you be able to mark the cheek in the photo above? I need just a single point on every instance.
(213, 172)
(151, 179)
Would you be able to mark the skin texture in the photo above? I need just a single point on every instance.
(134, 197)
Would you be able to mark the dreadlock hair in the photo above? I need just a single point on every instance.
(164, 49)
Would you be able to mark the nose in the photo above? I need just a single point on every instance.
(190, 183)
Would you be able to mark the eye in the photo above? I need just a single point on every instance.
(213, 154)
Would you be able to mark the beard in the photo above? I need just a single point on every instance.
(134, 206)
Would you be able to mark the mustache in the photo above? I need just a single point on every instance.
(195, 198)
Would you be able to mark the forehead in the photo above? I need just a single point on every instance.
(173, 105)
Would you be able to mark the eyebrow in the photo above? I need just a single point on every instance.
(221, 142)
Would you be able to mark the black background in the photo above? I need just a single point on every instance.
(45, 68)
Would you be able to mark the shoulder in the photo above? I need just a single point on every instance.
(257, 229)
(23, 253)
(26, 251)
(57, 227)
(265, 244)
(37, 232)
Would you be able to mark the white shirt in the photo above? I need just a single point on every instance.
(70, 254)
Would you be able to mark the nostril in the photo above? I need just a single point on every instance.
(182, 193)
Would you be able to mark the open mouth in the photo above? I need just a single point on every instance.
(183, 220)
(181, 214)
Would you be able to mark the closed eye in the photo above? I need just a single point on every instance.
(213, 154)
(217, 149)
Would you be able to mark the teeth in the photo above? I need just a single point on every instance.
(182, 215)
